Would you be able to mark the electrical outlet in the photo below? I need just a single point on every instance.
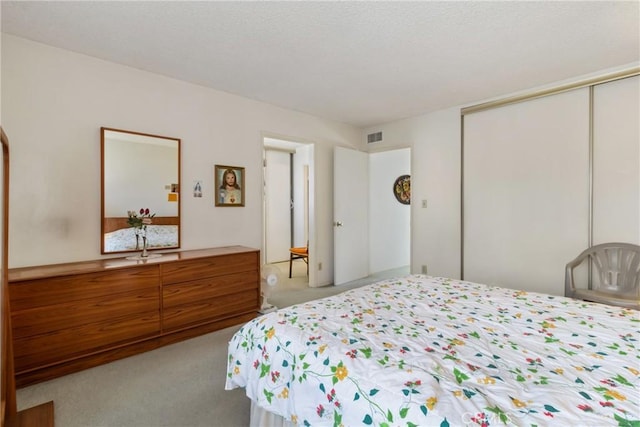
(424, 203)
(424, 269)
(319, 266)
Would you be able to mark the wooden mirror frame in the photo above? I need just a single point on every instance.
(170, 191)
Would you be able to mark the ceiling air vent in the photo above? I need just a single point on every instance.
(374, 137)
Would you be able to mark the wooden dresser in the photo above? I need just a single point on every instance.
(69, 317)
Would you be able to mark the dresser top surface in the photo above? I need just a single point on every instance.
(43, 271)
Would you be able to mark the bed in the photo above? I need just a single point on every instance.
(428, 351)
(159, 236)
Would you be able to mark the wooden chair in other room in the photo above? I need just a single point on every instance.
(299, 253)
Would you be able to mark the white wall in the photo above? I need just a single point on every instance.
(435, 177)
(389, 220)
(55, 101)
(434, 139)
(53, 105)
(134, 184)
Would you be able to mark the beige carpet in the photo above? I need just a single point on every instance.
(178, 385)
(181, 385)
(298, 281)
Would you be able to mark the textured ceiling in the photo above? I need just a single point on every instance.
(362, 63)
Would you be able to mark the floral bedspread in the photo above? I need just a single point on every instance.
(426, 351)
(157, 235)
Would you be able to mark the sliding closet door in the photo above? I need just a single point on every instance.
(526, 191)
(616, 161)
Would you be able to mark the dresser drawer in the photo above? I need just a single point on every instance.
(183, 271)
(208, 299)
(51, 291)
(45, 319)
(208, 310)
(211, 287)
(57, 346)
(73, 316)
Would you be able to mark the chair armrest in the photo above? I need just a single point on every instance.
(569, 285)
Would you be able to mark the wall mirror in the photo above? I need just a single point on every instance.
(139, 171)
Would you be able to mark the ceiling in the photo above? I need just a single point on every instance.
(359, 62)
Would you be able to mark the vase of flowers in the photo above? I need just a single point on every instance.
(144, 253)
(139, 221)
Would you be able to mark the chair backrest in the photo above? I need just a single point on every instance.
(616, 273)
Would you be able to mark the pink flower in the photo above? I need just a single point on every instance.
(141, 220)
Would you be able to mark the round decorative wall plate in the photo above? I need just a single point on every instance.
(402, 189)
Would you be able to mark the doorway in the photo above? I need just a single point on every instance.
(287, 218)
(372, 227)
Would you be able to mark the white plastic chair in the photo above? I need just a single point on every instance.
(615, 277)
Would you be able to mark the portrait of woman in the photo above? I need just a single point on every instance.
(229, 185)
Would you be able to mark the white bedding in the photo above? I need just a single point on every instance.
(423, 351)
(158, 236)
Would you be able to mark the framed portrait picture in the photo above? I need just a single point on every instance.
(229, 185)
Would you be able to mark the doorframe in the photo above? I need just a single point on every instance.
(293, 142)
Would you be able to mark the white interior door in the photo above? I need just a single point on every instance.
(350, 215)
(277, 206)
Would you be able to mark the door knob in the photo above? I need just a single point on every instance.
(338, 224)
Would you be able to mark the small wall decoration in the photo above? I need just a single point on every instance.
(173, 195)
(197, 188)
(402, 189)
(229, 184)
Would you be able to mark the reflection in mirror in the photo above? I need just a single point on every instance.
(139, 171)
